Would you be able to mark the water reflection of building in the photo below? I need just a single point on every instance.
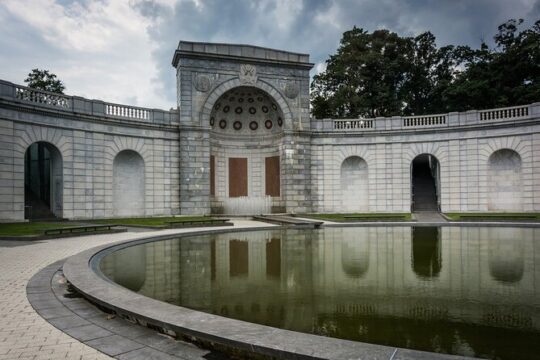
(321, 281)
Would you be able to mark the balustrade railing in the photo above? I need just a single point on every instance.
(126, 111)
(424, 121)
(504, 113)
(353, 124)
(42, 97)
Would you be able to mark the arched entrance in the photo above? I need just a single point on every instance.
(246, 130)
(43, 187)
(128, 184)
(425, 188)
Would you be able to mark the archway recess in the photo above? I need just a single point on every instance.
(246, 130)
(43, 184)
(354, 184)
(505, 181)
(425, 183)
(128, 184)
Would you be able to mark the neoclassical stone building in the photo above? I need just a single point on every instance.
(242, 142)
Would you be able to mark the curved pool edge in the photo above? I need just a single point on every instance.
(234, 336)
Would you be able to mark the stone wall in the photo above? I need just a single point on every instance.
(467, 182)
(88, 145)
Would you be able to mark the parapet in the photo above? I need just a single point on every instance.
(239, 52)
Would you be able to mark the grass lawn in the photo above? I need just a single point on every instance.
(30, 228)
(494, 216)
(150, 221)
(360, 217)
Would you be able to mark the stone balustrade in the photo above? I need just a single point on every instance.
(126, 111)
(352, 124)
(42, 97)
(424, 121)
(453, 119)
(504, 113)
(82, 106)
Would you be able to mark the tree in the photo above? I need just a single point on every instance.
(43, 80)
(383, 74)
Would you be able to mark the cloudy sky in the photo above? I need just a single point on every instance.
(121, 50)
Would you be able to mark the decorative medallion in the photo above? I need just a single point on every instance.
(259, 98)
(268, 124)
(226, 108)
(212, 121)
(253, 125)
(223, 123)
(237, 125)
(274, 106)
(291, 89)
(248, 74)
(264, 109)
(238, 110)
(252, 110)
(280, 121)
(202, 83)
(217, 106)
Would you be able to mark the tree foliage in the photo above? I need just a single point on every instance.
(384, 74)
(44, 80)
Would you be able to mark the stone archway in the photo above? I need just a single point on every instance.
(425, 183)
(43, 181)
(354, 184)
(246, 130)
(505, 181)
(128, 184)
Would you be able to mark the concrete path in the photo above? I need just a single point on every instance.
(23, 333)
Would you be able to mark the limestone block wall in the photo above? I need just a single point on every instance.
(470, 177)
(88, 146)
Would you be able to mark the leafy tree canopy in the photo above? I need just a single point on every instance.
(43, 80)
(384, 74)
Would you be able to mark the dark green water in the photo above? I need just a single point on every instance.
(468, 291)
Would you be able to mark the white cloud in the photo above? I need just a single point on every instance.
(100, 49)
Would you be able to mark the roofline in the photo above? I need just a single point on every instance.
(235, 52)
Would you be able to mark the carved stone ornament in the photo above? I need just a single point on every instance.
(248, 74)
(291, 89)
(202, 83)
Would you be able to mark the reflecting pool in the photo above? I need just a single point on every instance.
(469, 291)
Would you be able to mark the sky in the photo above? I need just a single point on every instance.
(121, 50)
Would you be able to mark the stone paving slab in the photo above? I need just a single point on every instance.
(26, 335)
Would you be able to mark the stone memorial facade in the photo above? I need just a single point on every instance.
(242, 142)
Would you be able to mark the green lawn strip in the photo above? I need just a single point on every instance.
(359, 217)
(493, 216)
(30, 228)
(150, 221)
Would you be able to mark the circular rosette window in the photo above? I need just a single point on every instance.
(268, 124)
(237, 125)
(253, 125)
(222, 123)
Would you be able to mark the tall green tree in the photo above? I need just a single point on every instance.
(44, 80)
(383, 74)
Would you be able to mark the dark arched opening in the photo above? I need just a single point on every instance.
(425, 183)
(42, 181)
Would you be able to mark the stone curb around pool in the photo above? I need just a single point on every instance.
(232, 336)
(48, 293)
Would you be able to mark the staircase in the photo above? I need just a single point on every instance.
(424, 190)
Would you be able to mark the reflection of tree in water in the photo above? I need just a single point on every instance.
(506, 255)
(426, 251)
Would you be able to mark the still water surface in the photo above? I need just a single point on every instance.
(468, 291)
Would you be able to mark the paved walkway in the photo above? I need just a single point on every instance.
(23, 333)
